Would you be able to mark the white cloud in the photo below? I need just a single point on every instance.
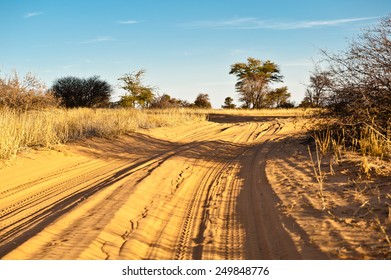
(32, 14)
(99, 39)
(319, 23)
(128, 21)
(216, 24)
(254, 23)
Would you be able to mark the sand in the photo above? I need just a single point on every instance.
(231, 188)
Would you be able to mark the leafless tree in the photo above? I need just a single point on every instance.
(361, 77)
(318, 91)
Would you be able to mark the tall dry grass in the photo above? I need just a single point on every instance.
(48, 128)
(336, 143)
(363, 153)
(365, 140)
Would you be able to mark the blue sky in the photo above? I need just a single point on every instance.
(186, 47)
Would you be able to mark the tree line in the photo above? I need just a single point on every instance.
(253, 85)
(93, 92)
(355, 84)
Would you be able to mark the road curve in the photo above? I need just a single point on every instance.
(191, 192)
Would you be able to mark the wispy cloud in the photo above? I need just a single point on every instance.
(128, 21)
(320, 23)
(32, 14)
(98, 39)
(255, 23)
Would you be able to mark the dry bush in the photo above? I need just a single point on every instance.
(25, 94)
(359, 78)
(362, 138)
(357, 90)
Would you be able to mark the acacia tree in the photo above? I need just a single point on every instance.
(278, 97)
(228, 103)
(253, 80)
(137, 93)
(79, 92)
(361, 77)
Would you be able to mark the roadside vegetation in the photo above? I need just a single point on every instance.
(355, 87)
(48, 128)
(353, 138)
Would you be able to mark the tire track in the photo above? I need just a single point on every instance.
(45, 195)
(22, 219)
(205, 195)
(48, 176)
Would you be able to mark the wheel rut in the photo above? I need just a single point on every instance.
(203, 194)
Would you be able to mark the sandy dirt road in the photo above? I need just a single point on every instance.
(192, 192)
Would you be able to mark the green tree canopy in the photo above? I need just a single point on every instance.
(253, 80)
(136, 92)
(278, 97)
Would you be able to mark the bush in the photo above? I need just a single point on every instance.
(360, 79)
(202, 101)
(25, 94)
(77, 92)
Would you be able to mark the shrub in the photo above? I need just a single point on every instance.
(202, 101)
(25, 94)
(360, 78)
(77, 92)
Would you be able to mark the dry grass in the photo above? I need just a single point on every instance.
(51, 127)
(363, 154)
(46, 128)
(320, 175)
(365, 141)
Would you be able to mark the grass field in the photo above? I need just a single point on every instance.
(58, 126)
